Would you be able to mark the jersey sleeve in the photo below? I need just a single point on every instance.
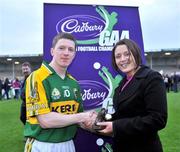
(36, 99)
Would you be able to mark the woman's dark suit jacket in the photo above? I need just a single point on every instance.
(141, 110)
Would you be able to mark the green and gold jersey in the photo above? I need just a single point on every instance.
(46, 91)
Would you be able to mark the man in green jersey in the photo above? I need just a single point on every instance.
(53, 102)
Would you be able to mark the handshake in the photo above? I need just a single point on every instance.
(94, 117)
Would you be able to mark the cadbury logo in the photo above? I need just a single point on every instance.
(90, 26)
(89, 95)
(93, 93)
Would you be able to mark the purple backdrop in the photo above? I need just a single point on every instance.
(97, 29)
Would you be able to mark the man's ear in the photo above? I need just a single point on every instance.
(52, 52)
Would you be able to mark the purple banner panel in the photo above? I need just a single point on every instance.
(97, 29)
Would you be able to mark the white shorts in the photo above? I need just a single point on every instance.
(38, 146)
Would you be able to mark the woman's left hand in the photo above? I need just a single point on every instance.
(108, 129)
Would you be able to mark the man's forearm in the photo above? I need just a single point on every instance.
(56, 120)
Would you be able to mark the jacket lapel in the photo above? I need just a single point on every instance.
(129, 90)
(133, 85)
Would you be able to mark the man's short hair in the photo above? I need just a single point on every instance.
(63, 36)
(26, 64)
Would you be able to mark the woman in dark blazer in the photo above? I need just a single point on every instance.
(139, 101)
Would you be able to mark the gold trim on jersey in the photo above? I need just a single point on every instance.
(71, 77)
(44, 67)
(36, 100)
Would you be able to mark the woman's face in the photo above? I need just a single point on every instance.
(125, 60)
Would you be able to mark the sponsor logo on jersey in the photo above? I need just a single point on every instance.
(65, 107)
(67, 93)
(75, 93)
(55, 94)
(32, 109)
